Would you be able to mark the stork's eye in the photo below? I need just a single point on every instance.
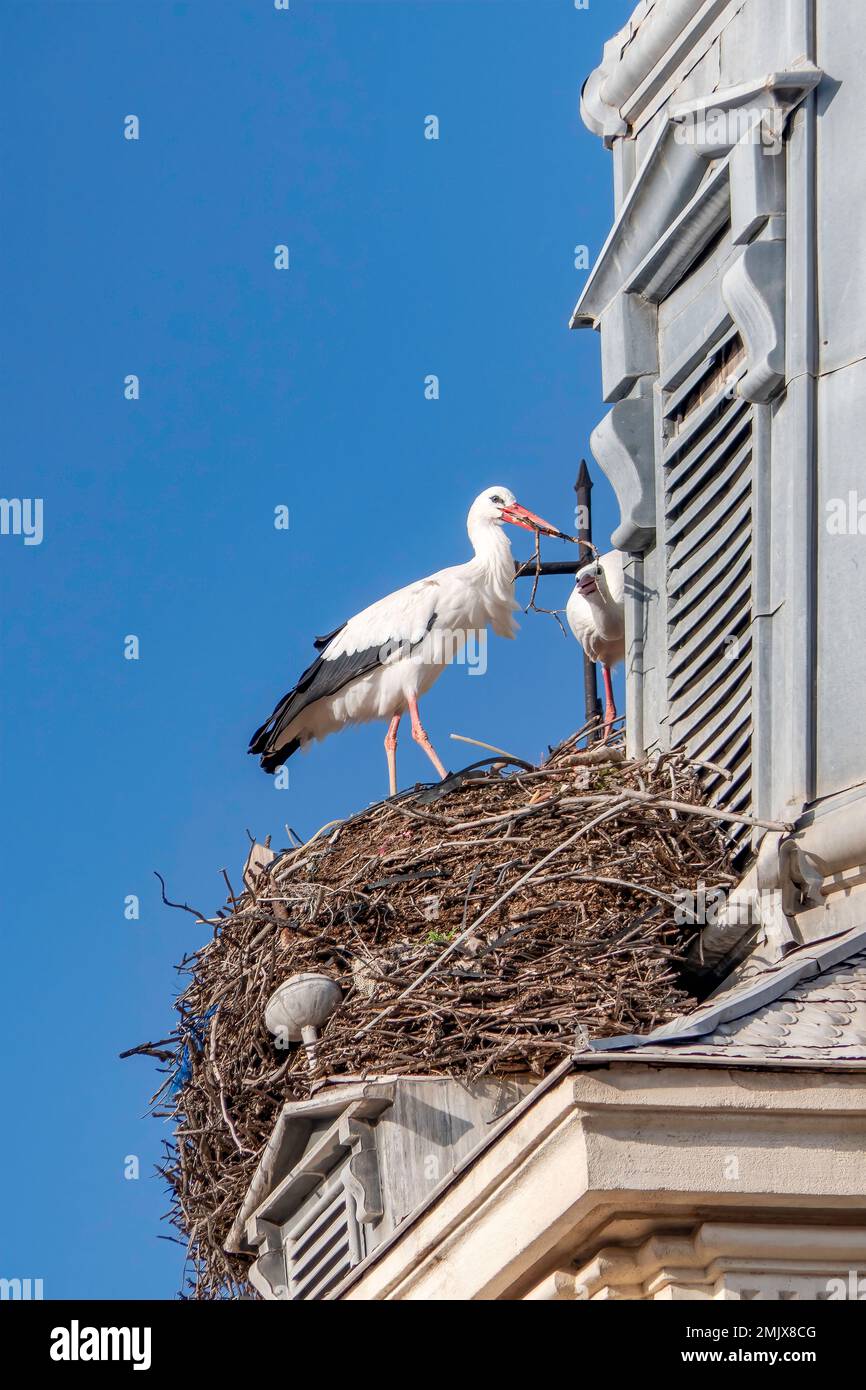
(500, 501)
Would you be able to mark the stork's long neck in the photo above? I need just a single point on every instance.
(606, 611)
(493, 558)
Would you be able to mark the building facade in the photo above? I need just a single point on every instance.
(729, 299)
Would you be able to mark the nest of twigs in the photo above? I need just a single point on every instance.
(487, 925)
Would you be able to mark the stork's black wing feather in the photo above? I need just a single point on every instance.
(324, 677)
(320, 643)
(321, 678)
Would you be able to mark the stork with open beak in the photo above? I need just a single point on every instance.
(596, 616)
(379, 663)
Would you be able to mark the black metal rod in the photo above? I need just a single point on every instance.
(528, 568)
(583, 489)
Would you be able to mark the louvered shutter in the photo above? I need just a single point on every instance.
(323, 1242)
(707, 468)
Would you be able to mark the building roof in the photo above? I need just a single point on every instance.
(808, 1008)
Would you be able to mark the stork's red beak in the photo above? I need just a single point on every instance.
(519, 516)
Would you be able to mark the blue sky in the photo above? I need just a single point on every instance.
(259, 388)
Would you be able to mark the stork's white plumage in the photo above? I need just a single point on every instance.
(596, 616)
(379, 663)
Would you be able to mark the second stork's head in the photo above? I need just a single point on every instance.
(497, 505)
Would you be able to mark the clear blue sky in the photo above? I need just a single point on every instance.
(258, 388)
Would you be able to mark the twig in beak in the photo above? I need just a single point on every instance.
(577, 540)
(553, 612)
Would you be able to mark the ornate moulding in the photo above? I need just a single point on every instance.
(717, 1259)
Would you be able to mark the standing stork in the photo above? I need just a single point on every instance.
(379, 663)
(596, 616)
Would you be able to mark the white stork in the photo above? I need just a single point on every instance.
(596, 616)
(379, 663)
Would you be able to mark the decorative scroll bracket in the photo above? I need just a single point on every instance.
(268, 1271)
(362, 1171)
(754, 294)
(622, 444)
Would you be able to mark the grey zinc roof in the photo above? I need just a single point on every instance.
(809, 1008)
(821, 1018)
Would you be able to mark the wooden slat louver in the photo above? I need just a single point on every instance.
(707, 459)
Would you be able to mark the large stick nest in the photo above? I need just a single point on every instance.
(488, 925)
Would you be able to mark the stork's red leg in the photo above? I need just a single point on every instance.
(391, 753)
(421, 738)
(609, 702)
